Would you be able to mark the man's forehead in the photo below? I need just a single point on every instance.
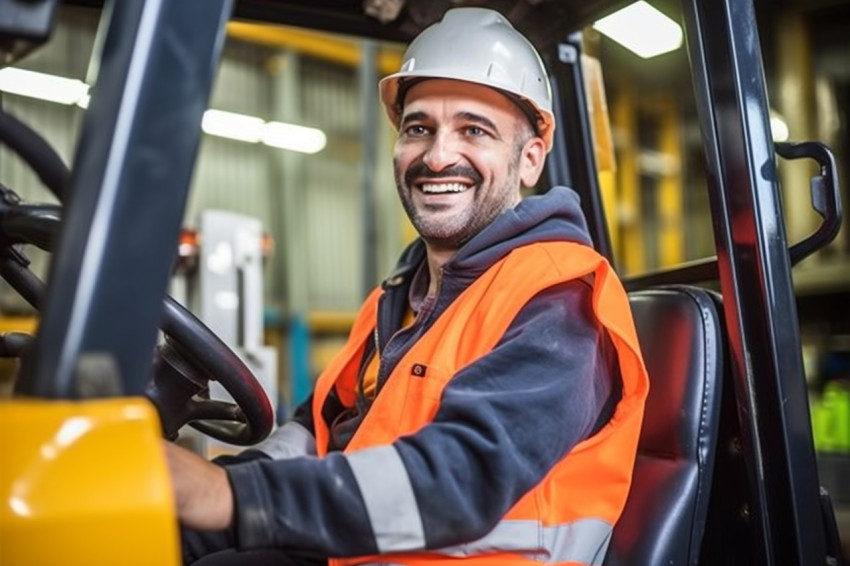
(459, 97)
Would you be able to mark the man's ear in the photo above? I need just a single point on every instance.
(531, 161)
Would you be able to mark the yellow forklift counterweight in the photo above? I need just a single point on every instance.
(83, 483)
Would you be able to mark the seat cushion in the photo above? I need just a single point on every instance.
(680, 334)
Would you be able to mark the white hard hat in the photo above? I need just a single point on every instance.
(479, 46)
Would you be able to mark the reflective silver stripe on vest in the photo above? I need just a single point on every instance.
(584, 542)
(288, 441)
(389, 499)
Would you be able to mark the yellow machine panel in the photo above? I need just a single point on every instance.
(84, 483)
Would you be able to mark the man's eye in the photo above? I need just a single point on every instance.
(417, 130)
(475, 131)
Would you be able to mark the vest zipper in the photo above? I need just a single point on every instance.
(420, 318)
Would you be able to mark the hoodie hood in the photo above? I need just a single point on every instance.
(553, 216)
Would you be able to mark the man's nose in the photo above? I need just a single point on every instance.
(442, 153)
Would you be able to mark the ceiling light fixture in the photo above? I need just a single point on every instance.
(642, 29)
(232, 126)
(296, 138)
(42, 86)
(219, 123)
(253, 130)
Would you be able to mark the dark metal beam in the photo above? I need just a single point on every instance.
(367, 78)
(127, 196)
(755, 279)
(572, 161)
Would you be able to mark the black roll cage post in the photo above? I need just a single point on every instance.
(576, 168)
(755, 277)
(784, 512)
(126, 199)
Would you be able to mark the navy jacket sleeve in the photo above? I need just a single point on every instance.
(503, 422)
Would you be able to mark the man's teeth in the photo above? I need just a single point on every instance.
(443, 188)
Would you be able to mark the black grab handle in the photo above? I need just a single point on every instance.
(826, 195)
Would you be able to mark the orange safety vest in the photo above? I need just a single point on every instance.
(567, 518)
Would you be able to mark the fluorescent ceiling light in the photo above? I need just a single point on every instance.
(215, 122)
(252, 130)
(42, 86)
(296, 138)
(84, 100)
(642, 29)
(231, 125)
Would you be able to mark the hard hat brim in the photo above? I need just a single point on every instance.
(390, 86)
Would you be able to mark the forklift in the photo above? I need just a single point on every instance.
(726, 470)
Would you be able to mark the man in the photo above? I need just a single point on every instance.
(488, 402)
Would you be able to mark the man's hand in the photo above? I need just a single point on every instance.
(201, 489)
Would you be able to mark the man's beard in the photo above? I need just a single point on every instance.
(464, 225)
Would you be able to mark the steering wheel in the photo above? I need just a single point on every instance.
(189, 357)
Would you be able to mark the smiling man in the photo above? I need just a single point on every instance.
(463, 152)
(487, 405)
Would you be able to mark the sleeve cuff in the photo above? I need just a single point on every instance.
(253, 523)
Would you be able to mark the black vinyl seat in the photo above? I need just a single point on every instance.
(680, 332)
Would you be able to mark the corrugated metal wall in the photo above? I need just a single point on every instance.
(333, 187)
(247, 178)
(230, 174)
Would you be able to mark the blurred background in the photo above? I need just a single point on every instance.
(293, 214)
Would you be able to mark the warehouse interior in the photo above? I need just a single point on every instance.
(328, 225)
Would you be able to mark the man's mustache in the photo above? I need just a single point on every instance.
(421, 171)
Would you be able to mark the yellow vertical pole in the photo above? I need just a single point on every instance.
(606, 164)
(796, 103)
(670, 202)
(608, 188)
(630, 245)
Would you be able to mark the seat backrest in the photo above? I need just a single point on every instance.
(680, 333)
